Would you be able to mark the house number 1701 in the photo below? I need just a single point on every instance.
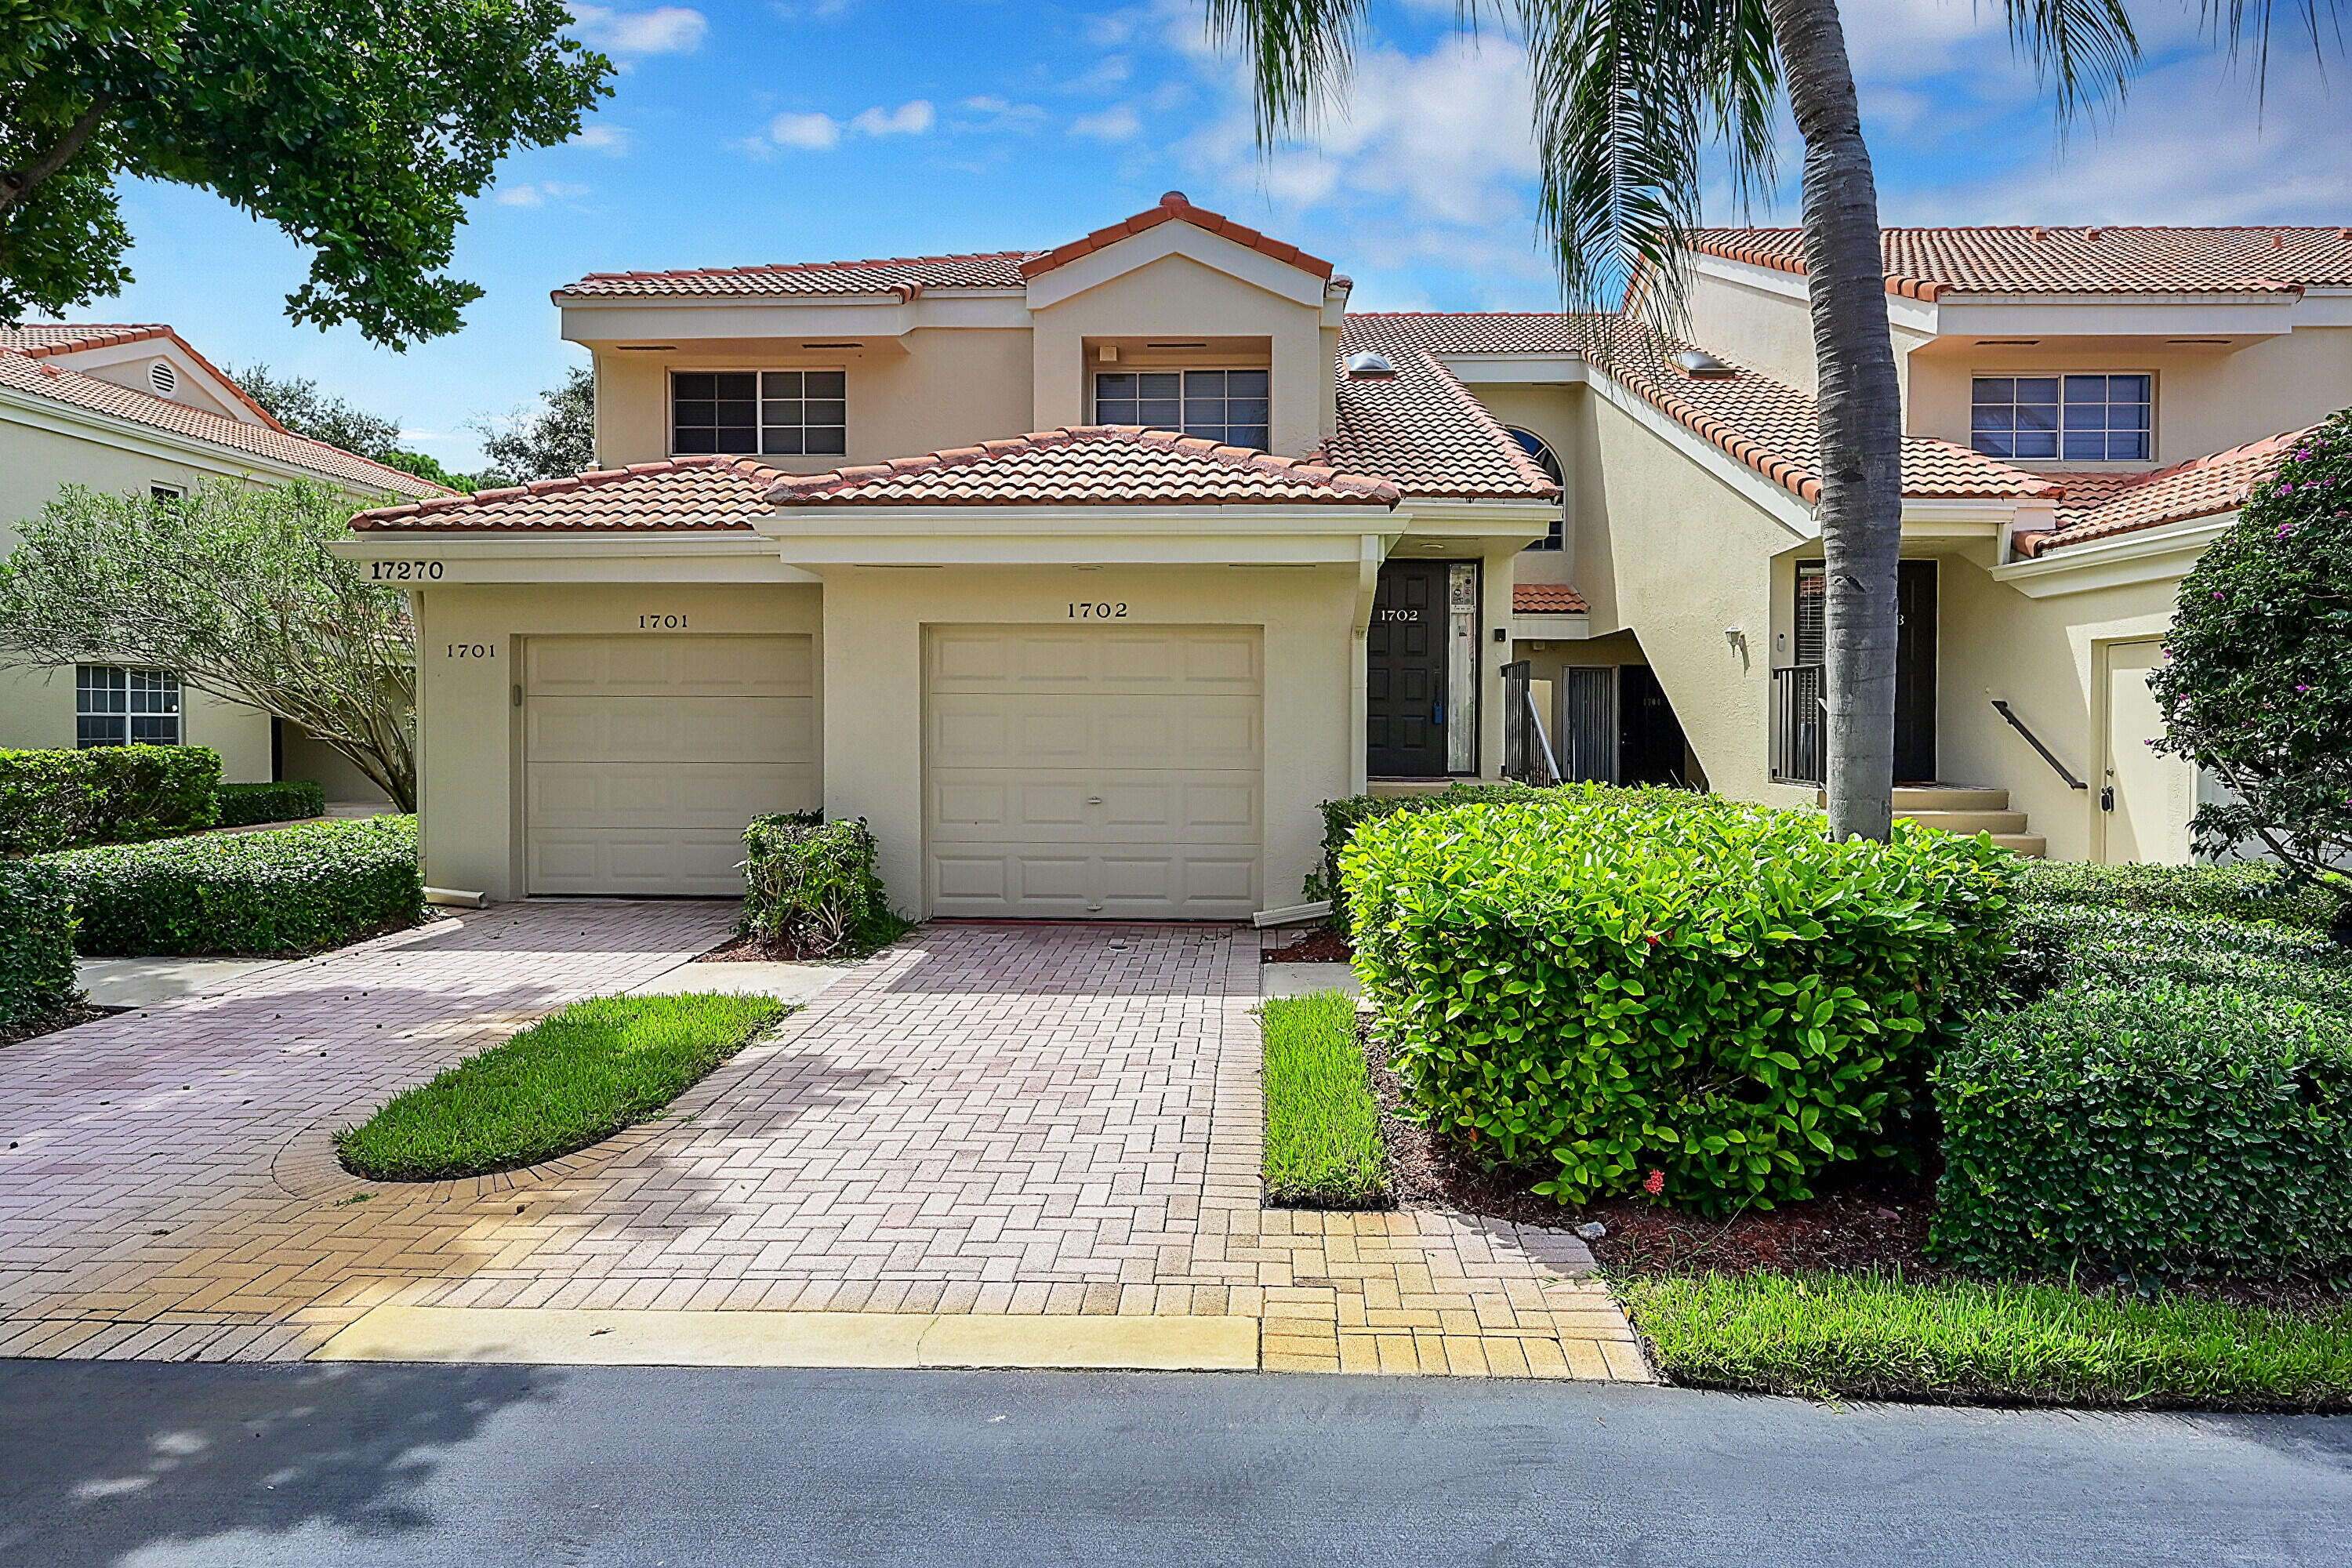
(1099, 612)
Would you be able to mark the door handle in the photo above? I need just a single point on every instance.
(2107, 798)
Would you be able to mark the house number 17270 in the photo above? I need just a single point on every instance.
(1099, 612)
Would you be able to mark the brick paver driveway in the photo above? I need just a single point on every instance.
(1012, 1120)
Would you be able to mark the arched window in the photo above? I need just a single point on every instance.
(1536, 447)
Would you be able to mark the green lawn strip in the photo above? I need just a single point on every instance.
(570, 1079)
(1879, 1336)
(1323, 1147)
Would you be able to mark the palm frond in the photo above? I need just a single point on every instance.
(2081, 50)
(1302, 53)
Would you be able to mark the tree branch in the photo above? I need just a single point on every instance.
(18, 183)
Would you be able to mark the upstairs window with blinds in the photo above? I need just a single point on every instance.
(767, 413)
(1812, 613)
(2063, 419)
(1229, 406)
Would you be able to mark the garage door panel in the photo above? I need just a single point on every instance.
(645, 757)
(644, 861)
(972, 730)
(999, 661)
(652, 729)
(1050, 881)
(982, 805)
(675, 794)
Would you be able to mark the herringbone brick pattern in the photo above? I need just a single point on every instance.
(1026, 1119)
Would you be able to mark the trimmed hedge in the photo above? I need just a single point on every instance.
(2245, 891)
(811, 886)
(289, 800)
(295, 889)
(2162, 1129)
(52, 800)
(1341, 818)
(2085, 948)
(1612, 983)
(36, 930)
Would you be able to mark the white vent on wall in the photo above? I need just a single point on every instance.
(162, 378)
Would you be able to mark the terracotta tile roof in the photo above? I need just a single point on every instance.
(1086, 465)
(684, 495)
(999, 269)
(1546, 599)
(1422, 427)
(25, 373)
(2100, 506)
(1173, 208)
(42, 339)
(1930, 263)
(1770, 427)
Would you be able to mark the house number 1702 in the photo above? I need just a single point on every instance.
(1099, 612)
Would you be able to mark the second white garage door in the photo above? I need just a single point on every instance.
(644, 757)
(1098, 773)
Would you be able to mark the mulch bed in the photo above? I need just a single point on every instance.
(1869, 1223)
(25, 1029)
(743, 950)
(1319, 945)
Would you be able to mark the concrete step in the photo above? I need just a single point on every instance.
(1967, 821)
(2032, 846)
(1911, 799)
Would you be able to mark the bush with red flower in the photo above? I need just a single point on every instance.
(2257, 686)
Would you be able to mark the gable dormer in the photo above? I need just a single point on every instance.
(151, 358)
(1180, 319)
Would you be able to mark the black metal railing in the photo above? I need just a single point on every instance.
(2035, 740)
(1800, 725)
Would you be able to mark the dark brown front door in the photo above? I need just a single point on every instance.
(1649, 737)
(1405, 676)
(1915, 672)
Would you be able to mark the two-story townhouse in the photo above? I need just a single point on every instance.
(1189, 549)
(135, 410)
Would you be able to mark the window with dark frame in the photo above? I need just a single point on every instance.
(2061, 418)
(1536, 447)
(767, 413)
(115, 706)
(1224, 405)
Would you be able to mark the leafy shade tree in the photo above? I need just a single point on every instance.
(298, 402)
(2257, 681)
(559, 438)
(1630, 98)
(361, 131)
(233, 587)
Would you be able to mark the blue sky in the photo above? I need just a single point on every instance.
(745, 133)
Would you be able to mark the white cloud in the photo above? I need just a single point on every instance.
(909, 119)
(1119, 123)
(664, 30)
(810, 132)
(539, 195)
(613, 140)
(1105, 75)
(996, 113)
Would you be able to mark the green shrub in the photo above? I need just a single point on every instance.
(573, 1078)
(294, 890)
(52, 800)
(2161, 1129)
(2091, 947)
(1323, 1146)
(37, 929)
(289, 800)
(811, 886)
(2245, 891)
(1613, 982)
(1341, 818)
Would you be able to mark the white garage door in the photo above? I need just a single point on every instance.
(1098, 773)
(644, 757)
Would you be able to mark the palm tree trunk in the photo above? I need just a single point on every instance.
(1861, 412)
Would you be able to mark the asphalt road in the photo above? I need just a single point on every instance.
(516, 1467)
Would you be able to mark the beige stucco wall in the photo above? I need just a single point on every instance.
(873, 685)
(1552, 413)
(1750, 326)
(948, 386)
(2040, 655)
(1690, 557)
(2207, 399)
(470, 770)
(1176, 297)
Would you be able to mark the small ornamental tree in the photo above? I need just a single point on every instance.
(2258, 681)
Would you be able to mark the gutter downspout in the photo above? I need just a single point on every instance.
(1368, 588)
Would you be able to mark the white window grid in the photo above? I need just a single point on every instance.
(116, 705)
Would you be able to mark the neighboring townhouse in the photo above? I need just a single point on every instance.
(1084, 574)
(135, 410)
